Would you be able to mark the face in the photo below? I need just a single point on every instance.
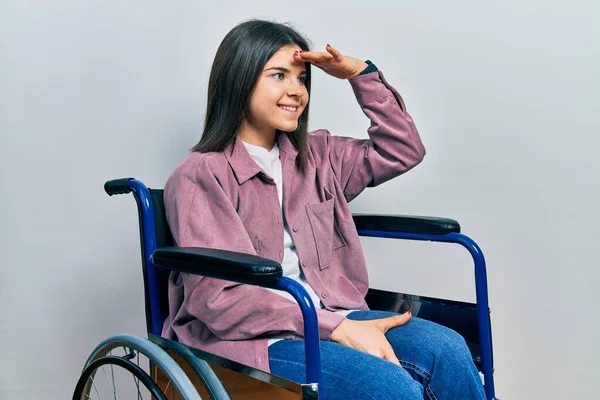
(280, 95)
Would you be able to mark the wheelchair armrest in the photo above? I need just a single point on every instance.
(406, 224)
(221, 264)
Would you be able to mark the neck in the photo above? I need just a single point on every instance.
(259, 137)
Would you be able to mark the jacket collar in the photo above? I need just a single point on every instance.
(286, 145)
(243, 164)
(241, 161)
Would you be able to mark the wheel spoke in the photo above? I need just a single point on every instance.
(112, 373)
(135, 379)
(111, 385)
(94, 386)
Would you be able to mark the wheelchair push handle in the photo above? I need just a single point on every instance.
(117, 186)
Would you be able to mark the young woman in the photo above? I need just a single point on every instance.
(259, 183)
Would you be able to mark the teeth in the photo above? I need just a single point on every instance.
(293, 109)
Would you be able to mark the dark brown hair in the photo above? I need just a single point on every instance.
(237, 66)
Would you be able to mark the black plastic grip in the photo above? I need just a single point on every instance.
(406, 224)
(117, 186)
(220, 264)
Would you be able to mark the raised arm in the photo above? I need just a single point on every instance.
(394, 145)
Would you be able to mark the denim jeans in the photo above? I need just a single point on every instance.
(436, 364)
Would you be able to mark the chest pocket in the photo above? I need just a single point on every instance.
(324, 228)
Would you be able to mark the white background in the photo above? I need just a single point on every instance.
(505, 95)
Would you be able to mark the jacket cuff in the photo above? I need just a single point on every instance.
(328, 321)
(370, 87)
(373, 87)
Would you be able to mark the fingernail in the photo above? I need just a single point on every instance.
(328, 45)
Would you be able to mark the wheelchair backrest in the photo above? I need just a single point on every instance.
(163, 232)
(157, 306)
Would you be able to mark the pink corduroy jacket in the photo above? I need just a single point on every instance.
(224, 200)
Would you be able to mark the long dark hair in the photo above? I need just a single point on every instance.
(236, 68)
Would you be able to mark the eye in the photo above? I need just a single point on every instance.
(302, 79)
(278, 76)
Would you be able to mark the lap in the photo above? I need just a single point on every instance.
(418, 344)
(346, 373)
(416, 337)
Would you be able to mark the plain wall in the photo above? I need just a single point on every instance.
(505, 96)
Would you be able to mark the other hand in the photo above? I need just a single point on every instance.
(333, 62)
(369, 336)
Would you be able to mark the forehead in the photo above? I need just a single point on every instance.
(284, 57)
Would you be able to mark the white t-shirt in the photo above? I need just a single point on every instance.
(270, 162)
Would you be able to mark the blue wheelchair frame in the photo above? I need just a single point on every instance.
(313, 357)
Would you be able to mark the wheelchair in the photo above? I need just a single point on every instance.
(177, 371)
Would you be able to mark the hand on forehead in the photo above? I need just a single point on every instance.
(285, 58)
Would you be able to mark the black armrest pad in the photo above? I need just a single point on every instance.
(221, 264)
(406, 224)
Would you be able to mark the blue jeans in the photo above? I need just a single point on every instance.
(436, 365)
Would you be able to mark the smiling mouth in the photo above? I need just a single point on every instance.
(289, 109)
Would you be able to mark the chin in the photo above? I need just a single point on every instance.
(288, 127)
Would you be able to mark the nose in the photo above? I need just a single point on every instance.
(295, 89)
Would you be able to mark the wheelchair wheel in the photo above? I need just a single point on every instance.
(142, 380)
(123, 366)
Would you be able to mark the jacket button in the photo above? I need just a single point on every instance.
(304, 264)
(324, 295)
(295, 229)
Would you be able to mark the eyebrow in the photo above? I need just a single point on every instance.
(284, 70)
